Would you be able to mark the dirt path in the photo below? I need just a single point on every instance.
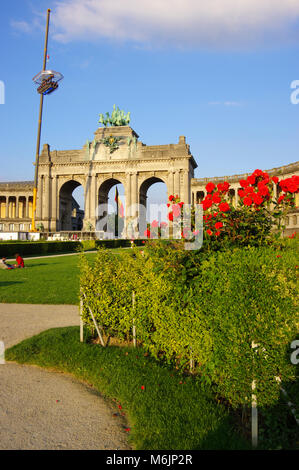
(49, 410)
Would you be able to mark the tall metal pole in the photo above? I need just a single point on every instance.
(33, 228)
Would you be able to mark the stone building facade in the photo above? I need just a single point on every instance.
(98, 166)
(198, 191)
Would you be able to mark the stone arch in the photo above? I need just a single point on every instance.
(146, 184)
(102, 199)
(66, 209)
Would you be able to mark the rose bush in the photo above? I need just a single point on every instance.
(256, 220)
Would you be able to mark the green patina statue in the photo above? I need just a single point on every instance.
(117, 118)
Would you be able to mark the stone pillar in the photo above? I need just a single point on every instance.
(236, 197)
(170, 183)
(185, 193)
(54, 197)
(134, 195)
(93, 200)
(176, 185)
(46, 202)
(17, 207)
(87, 201)
(39, 199)
(27, 207)
(7, 207)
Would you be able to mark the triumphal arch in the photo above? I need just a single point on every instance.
(115, 155)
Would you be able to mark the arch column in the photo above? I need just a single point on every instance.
(17, 207)
(53, 221)
(170, 182)
(39, 199)
(7, 207)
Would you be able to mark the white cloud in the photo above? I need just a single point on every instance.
(21, 26)
(199, 23)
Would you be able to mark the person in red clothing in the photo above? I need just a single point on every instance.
(20, 261)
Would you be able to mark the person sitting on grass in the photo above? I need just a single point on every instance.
(4, 265)
(20, 261)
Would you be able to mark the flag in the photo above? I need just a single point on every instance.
(119, 203)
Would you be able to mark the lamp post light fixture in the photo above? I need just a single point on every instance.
(47, 81)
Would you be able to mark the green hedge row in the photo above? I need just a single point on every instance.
(9, 249)
(204, 311)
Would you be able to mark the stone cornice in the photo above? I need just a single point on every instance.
(280, 171)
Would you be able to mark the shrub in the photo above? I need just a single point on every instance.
(208, 308)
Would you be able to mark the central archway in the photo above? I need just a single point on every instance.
(71, 216)
(111, 208)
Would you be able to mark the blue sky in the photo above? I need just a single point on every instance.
(218, 72)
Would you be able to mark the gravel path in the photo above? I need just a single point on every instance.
(49, 410)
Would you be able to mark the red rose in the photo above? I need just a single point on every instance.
(251, 179)
(216, 199)
(210, 187)
(257, 199)
(263, 190)
(244, 183)
(206, 204)
(241, 193)
(218, 225)
(247, 201)
(224, 207)
(275, 179)
(171, 198)
(209, 232)
(170, 216)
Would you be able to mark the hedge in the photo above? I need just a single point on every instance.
(10, 248)
(208, 309)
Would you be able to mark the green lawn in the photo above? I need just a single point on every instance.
(173, 411)
(43, 281)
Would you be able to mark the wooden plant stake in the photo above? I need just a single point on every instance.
(134, 327)
(96, 325)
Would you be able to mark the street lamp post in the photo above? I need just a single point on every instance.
(48, 82)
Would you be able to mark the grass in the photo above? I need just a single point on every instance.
(172, 412)
(43, 281)
(52, 280)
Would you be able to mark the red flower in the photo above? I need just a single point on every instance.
(147, 233)
(216, 199)
(170, 216)
(210, 187)
(251, 179)
(257, 199)
(142, 387)
(247, 201)
(120, 407)
(128, 429)
(224, 207)
(209, 232)
(275, 179)
(281, 198)
(244, 183)
(218, 225)
(206, 204)
(263, 190)
(171, 198)
(241, 193)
